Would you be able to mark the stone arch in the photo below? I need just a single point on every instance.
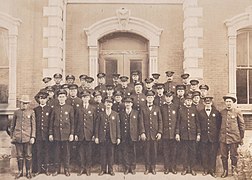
(123, 22)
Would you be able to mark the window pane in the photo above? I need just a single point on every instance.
(250, 48)
(110, 68)
(250, 86)
(241, 86)
(242, 50)
(4, 79)
(4, 47)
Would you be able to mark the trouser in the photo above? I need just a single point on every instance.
(129, 154)
(85, 152)
(24, 151)
(62, 149)
(169, 152)
(107, 155)
(209, 154)
(42, 155)
(150, 154)
(188, 153)
(224, 151)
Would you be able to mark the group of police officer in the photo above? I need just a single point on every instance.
(124, 113)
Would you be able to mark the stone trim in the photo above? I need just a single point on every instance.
(125, 2)
(192, 34)
(11, 24)
(233, 24)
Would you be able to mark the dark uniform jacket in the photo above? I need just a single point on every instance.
(170, 86)
(151, 122)
(179, 101)
(117, 107)
(232, 126)
(129, 125)
(139, 101)
(86, 123)
(62, 122)
(42, 116)
(169, 116)
(112, 121)
(209, 125)
(127, 91)
(56, 88)
(188, 123)
(159, 100)
(23, 126)
(52, 102)
(102, 88)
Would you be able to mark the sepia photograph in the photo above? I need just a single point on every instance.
(126, 89)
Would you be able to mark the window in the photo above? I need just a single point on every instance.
(244, 66)
(4, 66)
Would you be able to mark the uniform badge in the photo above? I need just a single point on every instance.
(213, 115)
(28, 116)
(77, 105)
(134, 116)
(47, 114)
(51, 106)
(233, 116)
(102, 109)
(173, 112)
(142, 99)
(193, 115)
(155, 113)
(113, 117)
(66, 112)
(89, 112)
(128, 94)
(103, 91)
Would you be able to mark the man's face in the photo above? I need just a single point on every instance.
(149, 85)
(24, 105)
(128, 105)
(229, 103)
(110, 92)
(150, 99)
(115, 80)
(180, 92)
(118, 99)
(98, 99)
(185, 81)
(88, 85)
(62, 98)
(208, 104)
(85, 99)
(188, 102)
(57, 80)
(43, 101)
(135, 77)
(138, 89)
(203, 92)
(124, 84)
(69, 81)
(196, 99)
(101, 80)
(108, 104)
(160, 91)
(168, 99)
(194, 87)
(83, 82)
(169, 78)
(73, 92)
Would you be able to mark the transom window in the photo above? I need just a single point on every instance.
(244, 66)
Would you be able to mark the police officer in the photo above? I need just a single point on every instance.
(194, 85)
(188, 131)
(151, 129)
(107, 134)
(155, 76)
(118, 105)
(179, 98)
(129, 121)
(42, 116)
(125, 89)
(61, 131)
(139, 98)
(85, 133)
(203, 90)
(210, 120)
(70, 79)
(66, 88)
(196, 100)
(57, 77)
(23, 133)
(185, 81)
(52, 102)
(135, 76)
(47, 80)
(231, 133)
(159, 98)
(83, 84)
(149, 85)
(169, 115)
(115, 78)
(109, 90)
(101, 83)
(170, 85)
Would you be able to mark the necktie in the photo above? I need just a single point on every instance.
(207, 109)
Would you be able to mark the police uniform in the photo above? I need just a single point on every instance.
(151, 120)
(169, 117)
(61, 127)
(126, 90)
(231, 134)
(170, 85)
(210, 121)
(42, 116)
(179, 100)
(68, 77)
(85, 132)
(159, 98)
(101, 87)
(129, 123)
(187, 85)
(57, 87)
(132, 84)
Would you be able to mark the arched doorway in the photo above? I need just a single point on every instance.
(123, 52)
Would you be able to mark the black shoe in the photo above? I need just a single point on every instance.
(153, 171)
(19, 174)
(204, 173)
(126, 171)
(166, 171)
(146, 171)
(82, 171)
(112, 173)
(184, 172)
(88, 173)
(173, 171)
(193, 173)
(67, 173)
(29, 175)
(224, 174)
(133, 171)
(213, 174)
(101, 173)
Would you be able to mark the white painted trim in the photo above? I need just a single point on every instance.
(125, 1)
(11, 24)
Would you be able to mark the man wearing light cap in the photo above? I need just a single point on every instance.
(170, 85)
(188, 132)
(151, 131)
(107, 135)
(210, 121)
(169, 116)
(231, 133)
(70, 79)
